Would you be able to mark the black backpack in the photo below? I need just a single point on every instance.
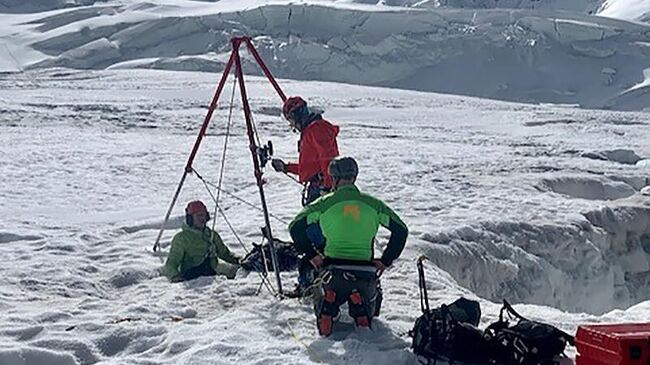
(449, 332)
(527, 342)
(259, 259)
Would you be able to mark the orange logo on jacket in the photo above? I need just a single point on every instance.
(353, 210)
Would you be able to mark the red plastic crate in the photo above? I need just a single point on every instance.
(613, 344)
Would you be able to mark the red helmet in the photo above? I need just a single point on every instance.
(195, 207)
(292, 104)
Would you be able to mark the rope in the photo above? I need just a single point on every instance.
(257, 137)
(293, 178)
(267, 283)
(299, 341)
(316, 283)
(219, 190)
(223, 164)
(225, 144)
(218, 208)
(238, 198)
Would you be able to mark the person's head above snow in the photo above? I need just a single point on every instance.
(296, 111)
(196, 214)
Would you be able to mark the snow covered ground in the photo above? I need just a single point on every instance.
(542, 205)
(526, 51)
(547, 206)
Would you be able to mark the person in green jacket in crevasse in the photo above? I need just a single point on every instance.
(196, 250)
(342, 225)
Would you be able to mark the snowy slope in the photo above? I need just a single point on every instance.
(638, 10)
(28, 6)
(584, 6)
(540, 205)
(528, 55)
(13, 6)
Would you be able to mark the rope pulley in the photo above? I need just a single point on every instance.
(265, 153)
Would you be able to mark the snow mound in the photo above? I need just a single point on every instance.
(35, 356)
(6, 237)
(638, 10)
(127, 276)
(22, 333)
(187, 312)
(637, 96)
(623, 156)
(638, 182)
(592, 265)
(172, 223)
(585, 6)
(133, 339)
(181, 63)
(588, 188)
(98, 53)
(29, 6)
(83, 352)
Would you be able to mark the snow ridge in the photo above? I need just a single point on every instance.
(520, 55)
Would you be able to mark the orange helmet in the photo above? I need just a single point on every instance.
(291, 105)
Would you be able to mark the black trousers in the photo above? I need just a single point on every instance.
(313, 191)
(345, 282)
(204, 269)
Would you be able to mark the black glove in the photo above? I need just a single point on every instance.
(279, 165)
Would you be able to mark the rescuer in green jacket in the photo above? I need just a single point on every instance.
(196, 250)
(346, 221)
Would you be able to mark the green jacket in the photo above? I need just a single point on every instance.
(349, 221)
(190, 247)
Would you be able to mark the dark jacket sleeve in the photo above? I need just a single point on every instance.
(398, 234)
(396, 243)
(315, 234)
(298, 232)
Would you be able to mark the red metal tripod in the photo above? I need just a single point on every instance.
(234, 58)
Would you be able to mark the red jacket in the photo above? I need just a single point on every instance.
(317, 148)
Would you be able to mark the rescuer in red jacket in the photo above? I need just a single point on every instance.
(317, 147)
